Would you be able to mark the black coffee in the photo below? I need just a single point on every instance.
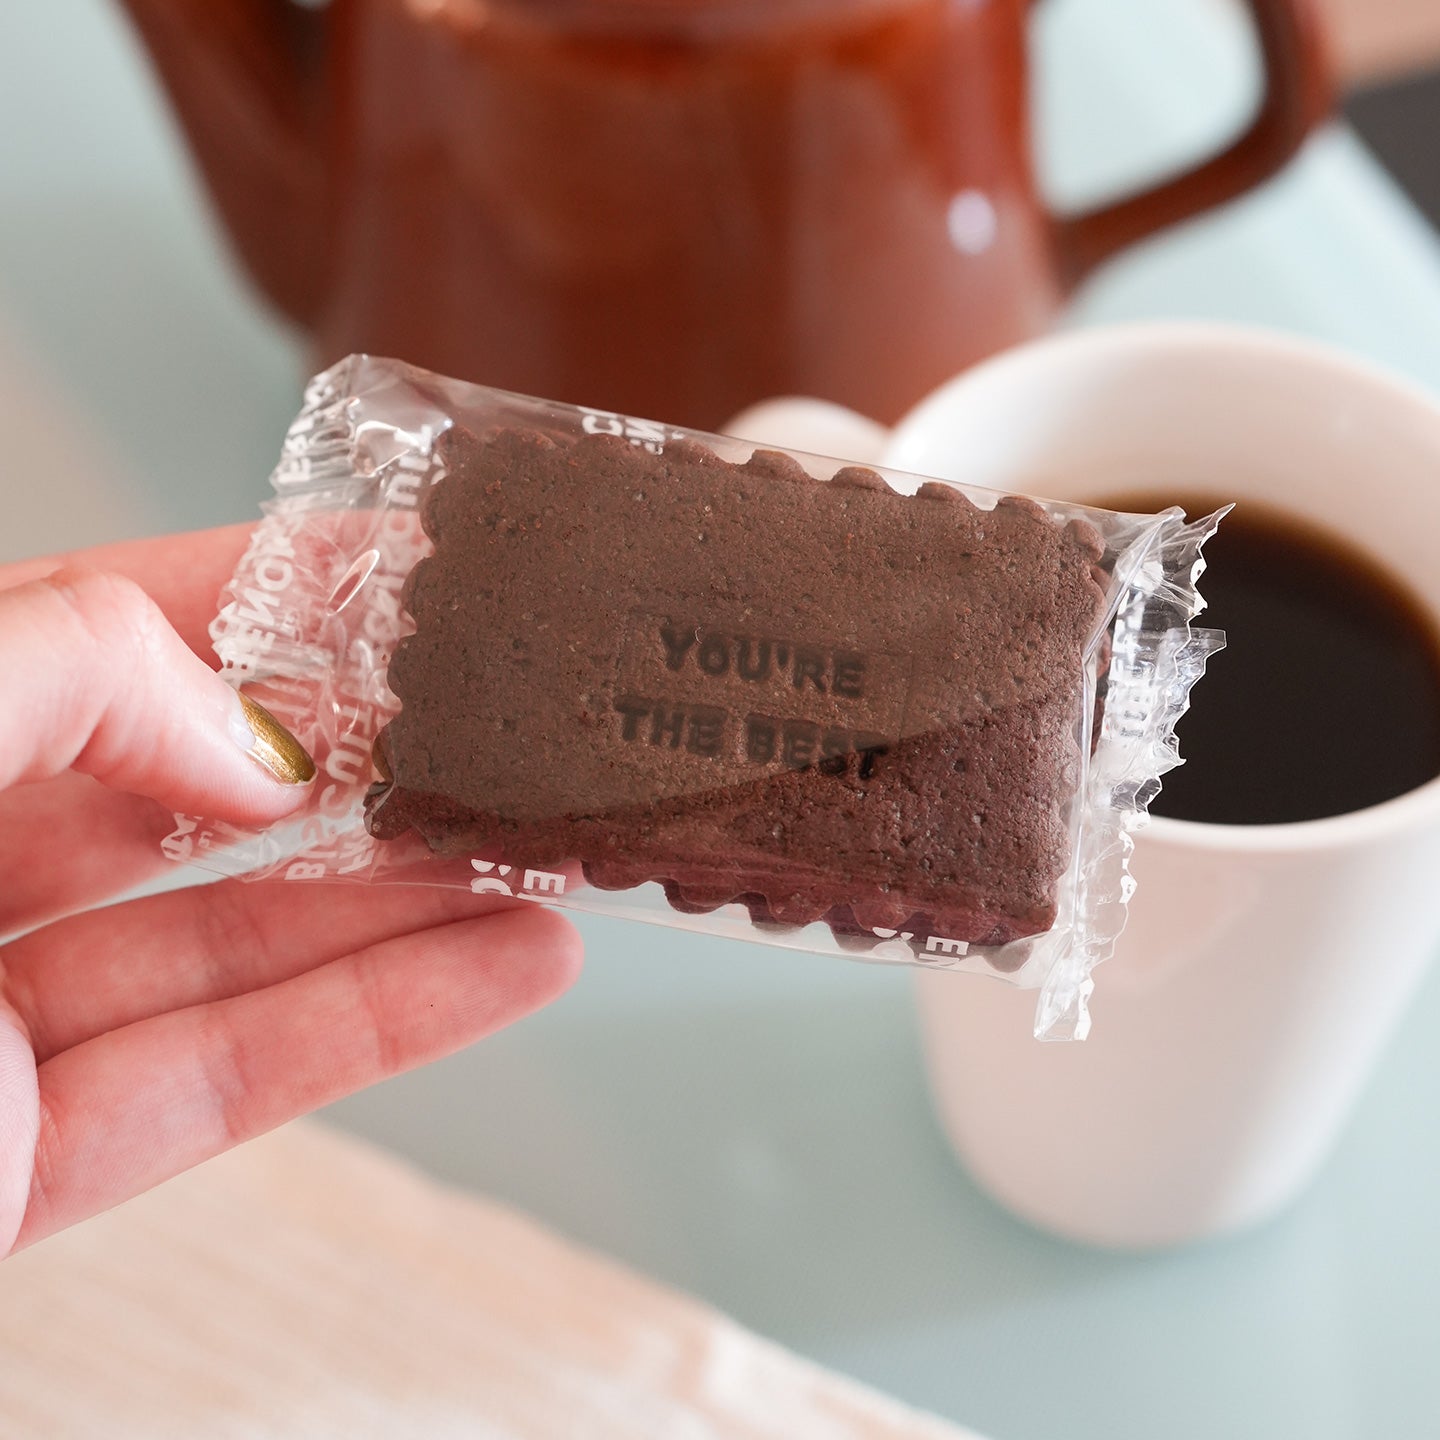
(1327, 696)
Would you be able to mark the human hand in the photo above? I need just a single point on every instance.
(139, 1039)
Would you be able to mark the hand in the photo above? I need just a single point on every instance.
(139, 1039)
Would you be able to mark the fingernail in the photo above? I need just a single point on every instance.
(266, 741)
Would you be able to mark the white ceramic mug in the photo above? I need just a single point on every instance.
(1262, 967)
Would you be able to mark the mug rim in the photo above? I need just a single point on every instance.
(1158, 341)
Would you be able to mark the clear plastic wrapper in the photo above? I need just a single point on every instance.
(595, 661)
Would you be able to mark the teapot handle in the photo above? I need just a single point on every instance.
(1299, 90)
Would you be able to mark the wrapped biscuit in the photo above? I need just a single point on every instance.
(595, 661)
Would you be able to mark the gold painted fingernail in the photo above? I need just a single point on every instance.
(274, 747)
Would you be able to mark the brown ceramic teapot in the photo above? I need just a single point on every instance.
(671, 208)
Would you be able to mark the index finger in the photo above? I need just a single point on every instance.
(183, 573)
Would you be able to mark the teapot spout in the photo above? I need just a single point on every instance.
(244, 78)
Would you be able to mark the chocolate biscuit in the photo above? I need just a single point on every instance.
(822, 700)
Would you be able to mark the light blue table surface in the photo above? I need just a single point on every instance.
(752, 1125)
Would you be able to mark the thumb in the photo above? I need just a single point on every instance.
(93, 678)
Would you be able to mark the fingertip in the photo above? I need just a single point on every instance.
(541, 953)
(563, 943)
(107, 687)
(271, 746)
(261, 777)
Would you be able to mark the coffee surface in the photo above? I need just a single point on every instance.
(1326, 698)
